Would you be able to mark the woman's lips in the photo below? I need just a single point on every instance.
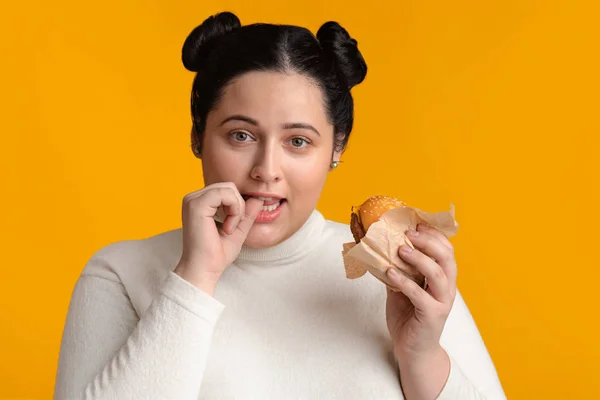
(267, 201)
(270, 213)
(271, 209)
(271, 202)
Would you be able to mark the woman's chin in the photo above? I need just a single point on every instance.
(261, 237)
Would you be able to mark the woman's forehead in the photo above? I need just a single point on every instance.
(273, 97)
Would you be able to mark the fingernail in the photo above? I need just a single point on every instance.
(392, 273)
(406, 249)
(423, 225)
(412, 232)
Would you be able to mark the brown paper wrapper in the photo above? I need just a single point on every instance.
(378, 250)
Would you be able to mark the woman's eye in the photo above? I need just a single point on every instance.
(299, 142)
(240, 136)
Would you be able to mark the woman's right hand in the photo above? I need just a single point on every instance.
(209, 247)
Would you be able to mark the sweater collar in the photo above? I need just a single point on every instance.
(301, 242)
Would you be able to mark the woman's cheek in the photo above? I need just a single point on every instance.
(308, 174)
(225, 166)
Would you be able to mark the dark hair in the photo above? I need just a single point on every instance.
(220, 49)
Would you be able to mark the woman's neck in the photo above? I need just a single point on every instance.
(301, 242)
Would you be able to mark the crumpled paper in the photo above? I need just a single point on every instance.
(378, 250)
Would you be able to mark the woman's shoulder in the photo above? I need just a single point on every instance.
(140, 265)
(166, 241)
(125, 255)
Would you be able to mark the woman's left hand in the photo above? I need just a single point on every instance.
(415, 316)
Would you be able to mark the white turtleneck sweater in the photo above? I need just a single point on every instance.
(284, 323)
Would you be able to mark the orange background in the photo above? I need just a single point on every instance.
(490, 105)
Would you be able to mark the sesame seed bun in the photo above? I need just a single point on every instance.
(369, 212)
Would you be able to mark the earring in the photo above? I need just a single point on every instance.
(334, 164)
(196, 150)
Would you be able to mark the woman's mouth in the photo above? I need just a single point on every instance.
(270, 205)
(271, 209)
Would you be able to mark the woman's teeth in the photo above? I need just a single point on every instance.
(269, 200)
(272, 207)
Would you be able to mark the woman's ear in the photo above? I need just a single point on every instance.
(337, 155)
(335, 160)
(196, 148)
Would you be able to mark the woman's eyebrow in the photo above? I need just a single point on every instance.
(301, 125)
(240, 118)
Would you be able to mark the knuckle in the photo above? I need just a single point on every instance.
(398, 279)
(437, 274)
(442, 312)
(224, 193)
(412, 289)
(450, 248)
(431, 244)
(409, 290)
(447, 257)
(239, 197)
(187, 201)
(231, 186)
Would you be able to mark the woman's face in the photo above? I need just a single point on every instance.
(270, 136)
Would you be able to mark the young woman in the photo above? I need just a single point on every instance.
(248, 300)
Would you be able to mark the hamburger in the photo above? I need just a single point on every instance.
(369, 212)
(379, 253)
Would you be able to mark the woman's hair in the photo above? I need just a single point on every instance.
(220, 49)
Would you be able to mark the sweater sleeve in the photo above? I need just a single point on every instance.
(472, 372)
(107, 352)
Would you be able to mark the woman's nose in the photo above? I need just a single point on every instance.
(267, 167)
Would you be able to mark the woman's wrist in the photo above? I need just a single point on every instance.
(203, 281)
(423, 375)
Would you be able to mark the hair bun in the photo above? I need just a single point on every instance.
(197, 44)
(336, 41)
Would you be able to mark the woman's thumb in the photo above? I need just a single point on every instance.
(252, 208)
